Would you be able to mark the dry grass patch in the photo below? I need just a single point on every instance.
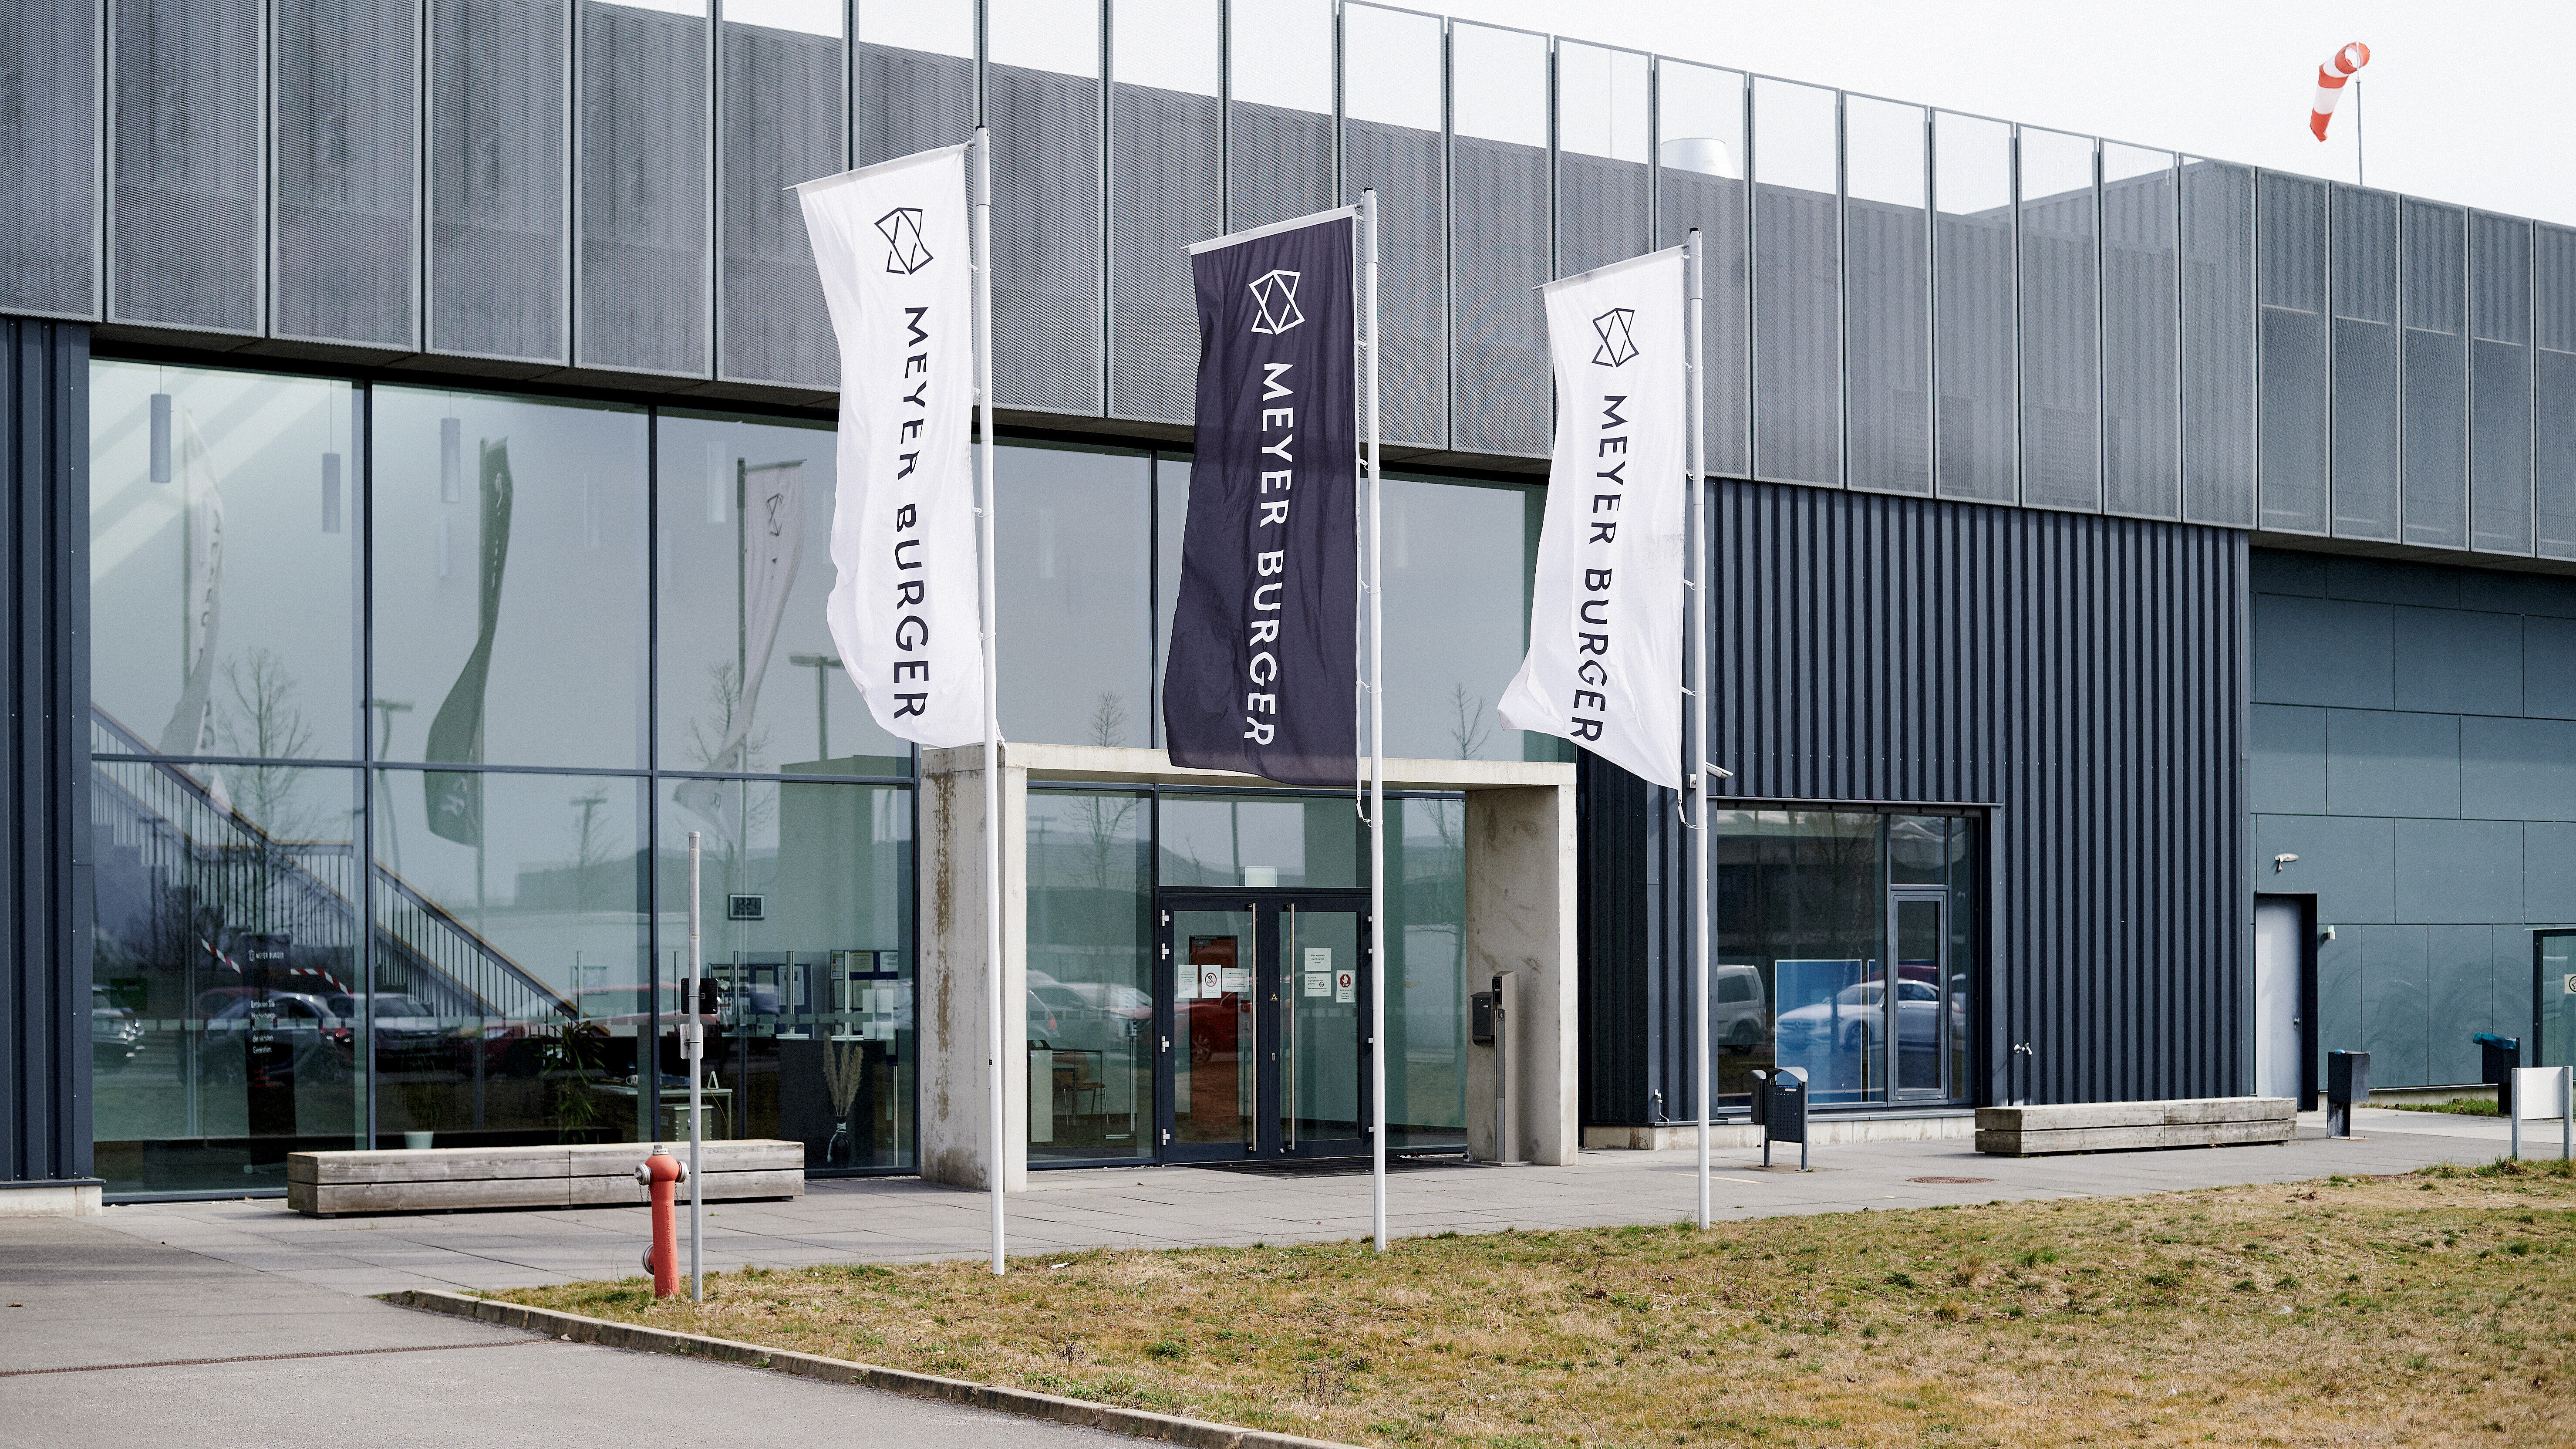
(2428, 1310)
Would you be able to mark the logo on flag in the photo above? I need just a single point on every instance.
(1617, 345)
(1275, 298)
(901, 228)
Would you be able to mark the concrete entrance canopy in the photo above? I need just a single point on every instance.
(1520, 919)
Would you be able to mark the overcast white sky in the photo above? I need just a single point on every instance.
(2464, 100)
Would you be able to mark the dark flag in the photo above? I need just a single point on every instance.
(455, 798)
(1264, 657)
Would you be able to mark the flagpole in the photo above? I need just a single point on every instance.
(1377, 740)
(996, 1166)
(1695, 769)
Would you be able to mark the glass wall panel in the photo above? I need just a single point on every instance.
(344, 260)
(2434, 490)
(2218, 339)
(1797, 285)
(1426, 984)
(1499, 237)
(1091, 976)
(224, 1032)
(1166, 137)
(1979, 419)
(1263, 841)
(2553, 320)
(1457, 617)
(1043, 103)
(520, 935)
(2141, 358)
(643, 287)
(746, 562)
(1604, 187)
(49, 160)
(1281, 92)
(2297, 421)
(499, 258)
(2060, 323)
(915, 87)
(224, 529)
(2365, 363)
(782, 124)
(186, 146)
(1392, 100)
(1699, 124)
(1075, 588)
(509, 574)
(807, 928)
(2500, 383)
(1887, 299)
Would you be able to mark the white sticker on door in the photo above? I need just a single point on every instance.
(1211, 982)
(1319, 983)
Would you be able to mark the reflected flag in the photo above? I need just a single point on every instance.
(455, 797)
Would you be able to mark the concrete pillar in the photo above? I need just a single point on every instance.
(951, 1002)
(1520, 920)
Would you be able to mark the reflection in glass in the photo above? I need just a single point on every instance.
(1043, 104)
(1166, 153)
(1091, 976)
(1426, 984)
(2141, 376)
(1888, 303)
(1457, 611)
(1978, 420)
(1285, 841)
(2553, 318)
(2061, 337)
(2500, 384)
(1392, 104)
(1797, 286)
(750, 679)
(1216, 1084)
(509, 583)
(224, 529)
(1281, 85)
(523, 927)
(223, 1032)
(2218, 320)
(1321, 986)
(1603, 194)
(807, 916)
(1700, 123)
(1171, 522)
(2295, 424)
(1076, 595)
(2366, 409)
(1499, 183)
(2433, 420)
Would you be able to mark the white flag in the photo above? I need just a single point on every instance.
(1605, 656)
(891, 240)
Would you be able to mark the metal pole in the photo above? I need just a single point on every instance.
(692, 1046)
(1377, 737)
(1695, 775)
(996, 1162)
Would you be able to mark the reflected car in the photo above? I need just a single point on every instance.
(1738, 1008)
(1856, 1015)
(115, 1033)
(286, 1037)
(408, 1033)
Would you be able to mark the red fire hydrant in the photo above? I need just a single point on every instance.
(662, 1173)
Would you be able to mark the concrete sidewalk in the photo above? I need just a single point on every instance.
(903, 1219)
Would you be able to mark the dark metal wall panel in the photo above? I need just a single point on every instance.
(186, 122)
(45, 858)
(344, 262)
(2079, 673)
(49, 157)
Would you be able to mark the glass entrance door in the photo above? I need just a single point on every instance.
(2553, 999)
(1263, 1007)
(1919, 995)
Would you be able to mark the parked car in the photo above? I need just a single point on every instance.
(115, 1033)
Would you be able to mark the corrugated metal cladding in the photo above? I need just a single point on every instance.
(2083, 675)
(44, 806)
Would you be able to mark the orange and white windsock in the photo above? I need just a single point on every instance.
(2331, 79)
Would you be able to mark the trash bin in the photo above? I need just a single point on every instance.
(2498, 1056)
(2347, 1086)
(1784, 1113)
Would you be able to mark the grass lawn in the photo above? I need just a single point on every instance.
(2425, 1310)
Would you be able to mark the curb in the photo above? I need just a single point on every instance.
(1027, 1403)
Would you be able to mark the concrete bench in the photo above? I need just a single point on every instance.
(2134, 1126)
(435, 1179)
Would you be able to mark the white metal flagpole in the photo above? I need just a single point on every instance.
(1377, 738)
(996, 1161)
(692, 1050)
(1695, 770)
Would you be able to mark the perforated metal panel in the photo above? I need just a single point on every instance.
(186, 139)
(345, 258)
(1283, 165)
(49, 157)
(910, 100)
(782, 124)
(644, 282)
(1164, 195)
(2296, 423)
(2141, 352)
(2218, 319)
(1404, 164)
(2060, 349)
(2499, 384)
(1978, 450)
(2365, 364)
(2433, 489)
(1715, 204)
(2553, 334)
(1797, 342)
(499, 270)
(1046, 240)
(1888, 384)
(1500, 252)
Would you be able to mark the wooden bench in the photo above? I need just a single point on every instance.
(2134, 1126)
(322, 1184)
